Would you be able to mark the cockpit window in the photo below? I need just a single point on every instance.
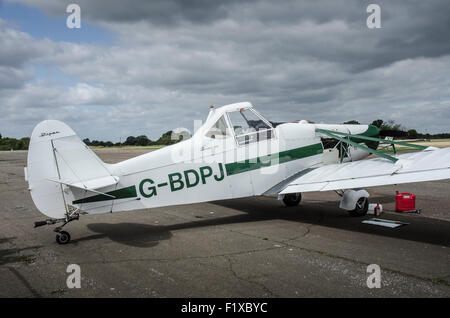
(248, 127)
(219, 130)
(246, 121)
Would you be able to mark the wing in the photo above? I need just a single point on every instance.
(427, 165)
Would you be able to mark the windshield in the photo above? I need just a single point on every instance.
(248, 126)
(245, 121)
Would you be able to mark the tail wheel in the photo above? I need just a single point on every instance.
(292, 199)
(362, 205)
(63, 237)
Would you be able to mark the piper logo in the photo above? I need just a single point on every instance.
(48, 133)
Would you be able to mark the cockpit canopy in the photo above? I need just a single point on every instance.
(244, 123)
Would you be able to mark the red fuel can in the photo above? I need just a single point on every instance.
(405, 202)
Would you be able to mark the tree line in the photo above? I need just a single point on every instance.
(166, 139)
(23, 143)
(13, 143)
(141, 140)
(408, 133)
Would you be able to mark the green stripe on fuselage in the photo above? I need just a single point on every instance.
(129, 192)
(231, 168)
(276, 158)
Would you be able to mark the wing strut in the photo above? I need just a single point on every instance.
(392, 142)
(332, 134)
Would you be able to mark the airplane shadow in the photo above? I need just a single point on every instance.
(323, 213)
(327, 214)
(144, 235)
(132, 234)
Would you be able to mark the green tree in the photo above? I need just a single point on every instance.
(25, 143)
(166, 139)
(387, 125)
(352, 122)
(131, 141)
(378, 123)
(391, 125)
(142, 140)
(412, 134)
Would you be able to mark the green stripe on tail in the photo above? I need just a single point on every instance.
(124, 193)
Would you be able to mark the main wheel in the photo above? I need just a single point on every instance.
(63, 237)
(292, 199)
(362, 205)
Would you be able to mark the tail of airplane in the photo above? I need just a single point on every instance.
(59, 163)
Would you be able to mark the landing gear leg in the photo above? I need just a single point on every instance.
(62, 237)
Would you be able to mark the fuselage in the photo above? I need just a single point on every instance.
(218, 166)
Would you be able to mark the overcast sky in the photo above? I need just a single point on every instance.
(145, 67)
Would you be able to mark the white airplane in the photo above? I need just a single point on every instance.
(236, 153)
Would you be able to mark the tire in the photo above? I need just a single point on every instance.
(362, 205)
(292, 199)
(63, 237)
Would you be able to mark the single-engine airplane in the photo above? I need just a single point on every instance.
(235, 153)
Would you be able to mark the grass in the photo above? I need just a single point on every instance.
(399, 148)
(440, 143)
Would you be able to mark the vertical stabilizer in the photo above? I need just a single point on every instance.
(56, 153)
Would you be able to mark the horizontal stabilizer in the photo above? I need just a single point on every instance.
(91, 185)
(97, 183)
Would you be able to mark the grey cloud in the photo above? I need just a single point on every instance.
(14, 50)
(409, 29)
(302, 60)
(11, 77)
(14, 54)
(158, 12)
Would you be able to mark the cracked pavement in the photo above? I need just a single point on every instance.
(251, 247)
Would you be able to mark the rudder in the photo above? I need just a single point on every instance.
(58, 160)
